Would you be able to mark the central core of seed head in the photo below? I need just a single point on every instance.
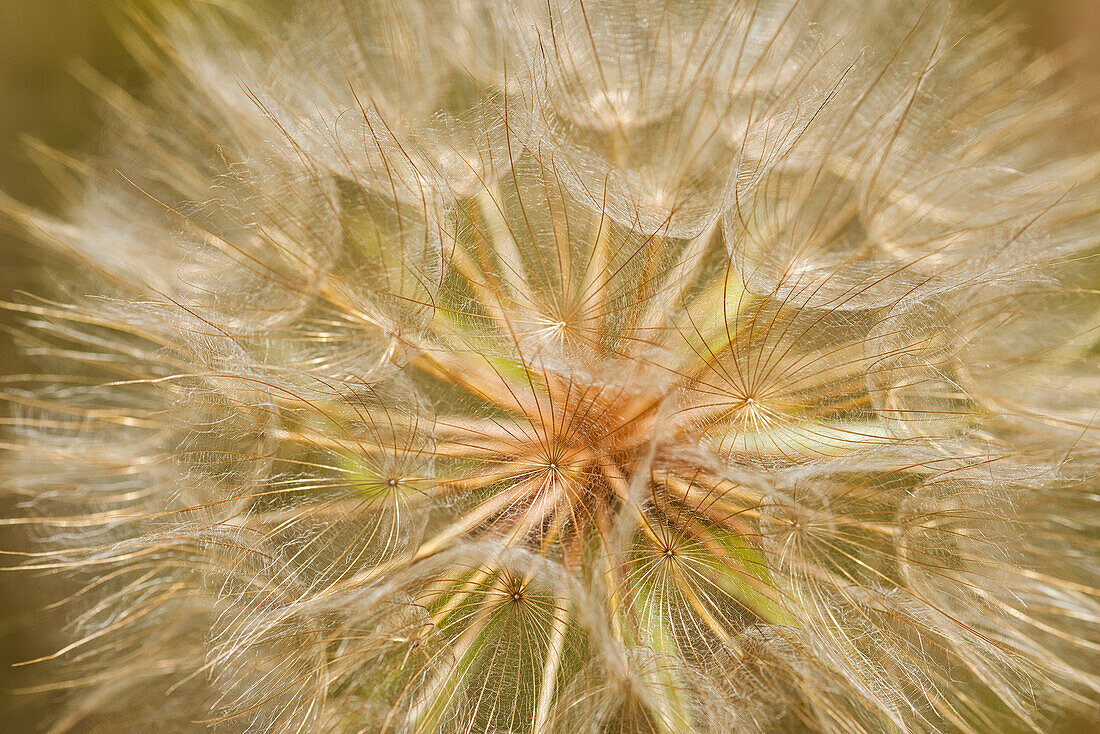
(575, 458)
(549, 460)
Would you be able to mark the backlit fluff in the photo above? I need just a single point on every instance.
(561, 366)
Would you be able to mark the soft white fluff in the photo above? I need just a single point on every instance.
(561, 366)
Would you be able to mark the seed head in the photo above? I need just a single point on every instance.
(557, 366)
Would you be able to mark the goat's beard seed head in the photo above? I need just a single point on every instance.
(555, 366)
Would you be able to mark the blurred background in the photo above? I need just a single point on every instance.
(41, 40)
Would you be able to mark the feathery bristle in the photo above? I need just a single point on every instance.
(557, 366)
